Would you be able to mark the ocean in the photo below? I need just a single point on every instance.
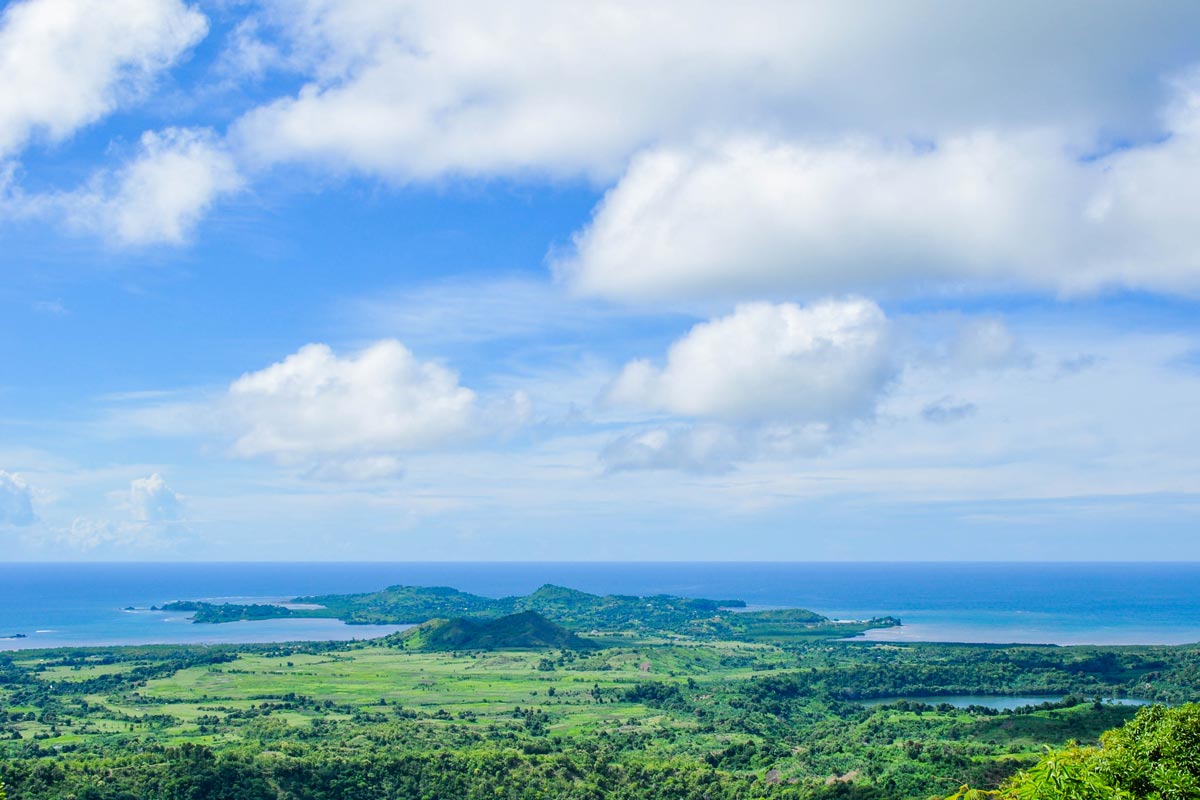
(1093, 603)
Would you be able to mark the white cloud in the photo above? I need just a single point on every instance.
(16, 502)
(823, 363)
(146, 517)
(748, 217)
(157, 197)
(767, 381)
(67, 63)
(94, 536)
(150, 500)
(248, 56)
(714, 448)
(417, 90)
(986, 343)
(331, 417)
(688, 448)
(87, 535)
(382, 400)
(1120, 428)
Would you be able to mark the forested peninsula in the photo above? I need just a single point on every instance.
(579, 611)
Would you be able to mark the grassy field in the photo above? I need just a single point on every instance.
(779, 711)
(478, 689)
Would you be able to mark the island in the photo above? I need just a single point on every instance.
(576, 611)
(214, 613)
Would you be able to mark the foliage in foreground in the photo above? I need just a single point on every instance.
(1155, 756)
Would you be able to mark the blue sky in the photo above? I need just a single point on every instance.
(465, 281)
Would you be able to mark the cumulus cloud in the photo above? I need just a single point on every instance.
(382, 400)
(16, 502)
(416, 90)
(827, 362)
(147, 517)
(67, 63)
(151, 500)
(768, 380)
(744, 217)
(159, 196)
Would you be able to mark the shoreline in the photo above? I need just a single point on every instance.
(184, 633)
(1079, 604)
(326, 629)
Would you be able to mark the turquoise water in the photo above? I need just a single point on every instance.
(147, 627)
(1000, 703)
(76, 604)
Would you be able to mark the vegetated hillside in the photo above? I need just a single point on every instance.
(236, 612)
(570, 607)
(524, 630)
(405, 604)
(1154, 755)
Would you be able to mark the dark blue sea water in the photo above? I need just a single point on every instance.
(61, 604)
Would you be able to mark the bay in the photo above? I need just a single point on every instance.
(1059, 603)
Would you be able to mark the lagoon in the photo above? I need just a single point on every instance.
(997, 702)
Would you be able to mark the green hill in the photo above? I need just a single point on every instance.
(525, 630)
(576, 610)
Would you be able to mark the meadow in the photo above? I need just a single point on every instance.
(655, 716)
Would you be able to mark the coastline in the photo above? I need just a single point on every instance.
(1066, 604)
(179, 630)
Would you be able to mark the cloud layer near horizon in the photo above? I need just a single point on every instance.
(16, 503)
